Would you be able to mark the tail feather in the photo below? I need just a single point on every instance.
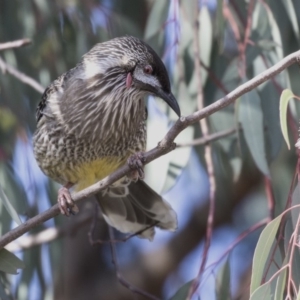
(139, 208)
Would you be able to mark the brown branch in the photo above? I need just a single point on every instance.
(208, 159)
(48, 235)
(239, 239)
(164, 147)
(14, 44)
(20, 76)
(209, 138)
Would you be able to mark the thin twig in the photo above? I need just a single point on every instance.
(245, 43)
(14, 44)
(20, 76)
(164, 147)
(48, 235)
(121, 279)
(208, 139)
(208, 159)
(242, 236)
(214, 78)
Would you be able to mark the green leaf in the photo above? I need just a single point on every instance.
(286, 95)
(280, 284)
(262, 292)
(9, 263)
(205, 39)
(269, 103)
(9, 207)
(3, 295)
(182, 293)
(298, 296)
(292, 15)
(251, 118)
(169, 166)
(223, 282)
(275, 33)
(261, 252)
(178, 158)
(156, 18)
(205, 46)
(219, 21)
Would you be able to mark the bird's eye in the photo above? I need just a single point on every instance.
(148, 69)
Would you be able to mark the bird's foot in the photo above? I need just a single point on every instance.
(135, 162)
(65, 202)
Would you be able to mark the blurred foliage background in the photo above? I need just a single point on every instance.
(253, 168)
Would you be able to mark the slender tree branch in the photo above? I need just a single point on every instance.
(20, 76)
(240, 238)
(14, 44)
(164, 147)
(209, 138)
(48, 235)
(208, 159)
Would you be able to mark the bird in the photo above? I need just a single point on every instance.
(92, 120)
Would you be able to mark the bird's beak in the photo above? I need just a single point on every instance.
(170, 99)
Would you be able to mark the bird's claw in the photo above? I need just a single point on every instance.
(135, 162)
(66, 205)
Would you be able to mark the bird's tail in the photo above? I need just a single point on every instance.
(132, 209)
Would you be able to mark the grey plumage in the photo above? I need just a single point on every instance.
(93, 117)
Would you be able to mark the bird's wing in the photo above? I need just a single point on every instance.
(52, 89)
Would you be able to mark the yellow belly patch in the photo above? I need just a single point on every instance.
(88, 173)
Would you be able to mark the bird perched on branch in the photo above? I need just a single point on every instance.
(92, 120)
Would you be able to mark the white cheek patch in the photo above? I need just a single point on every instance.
(128, 80)
(90, 70)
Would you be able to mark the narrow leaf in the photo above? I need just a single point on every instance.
(251, 118)
(10, 263)
(261, 252)
(9, 207)
(223, 282)
(286, 95)
(156, 18)
(280, 284)
(292, 15)
(298, 296)
(182, 293)
(275, 32)
(262, 292)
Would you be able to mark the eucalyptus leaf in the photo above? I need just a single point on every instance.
(223, 282)
(9, 263)
(205, 48)
(291, 11)
(251, 118)
(13, 213)
(157, 18)
(219, 22)
(178, 158)
(285, 97)
(269, 104)
(281, 282)
(295, 218)
(261, 253)
(275, 33)
(182, 293)
(262, 292)
(3, 295)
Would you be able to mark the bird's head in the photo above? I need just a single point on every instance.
(140, 67)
